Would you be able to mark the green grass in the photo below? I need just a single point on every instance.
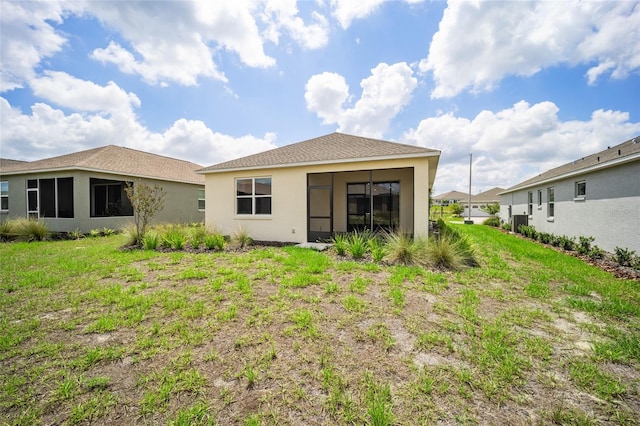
(90, 333)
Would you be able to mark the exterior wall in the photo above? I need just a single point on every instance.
(181, 202)
(288, 221)
(610, 211)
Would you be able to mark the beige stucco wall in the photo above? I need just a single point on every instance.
(288, 221)
(181, 202)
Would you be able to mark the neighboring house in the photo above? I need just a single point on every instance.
(85, 190)
(595, 196)
(310, 190)
(478, 201)
(451, 197)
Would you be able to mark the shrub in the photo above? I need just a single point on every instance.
(506, 226)
(566, 243)
(376, 247)
(32, 230)
(545, 237)
(215, 242)
(584, 245)
(7, 230)
(357, 244)
(529, 232)
(76, 234)
(174, 237)
(150, 241)
(401, 248)
(442, 253)
(456, 209)
(131, 234)
(596, 253)
(241, 237)
(198, 234)
(340, 244)
(94, 233)
(107, 232)
(623, 257)
(492, 221)
(146, 201)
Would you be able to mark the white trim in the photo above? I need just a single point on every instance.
(319, 163)
(595, 167)
(89, 169)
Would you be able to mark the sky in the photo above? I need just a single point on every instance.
(523, 86)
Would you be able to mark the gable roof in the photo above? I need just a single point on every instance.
(488, 196)
(451, 195)
(114, 159)
(612, 156)
(6, 163)
(327, 149)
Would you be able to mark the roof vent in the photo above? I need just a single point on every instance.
(598, 158)
(618, 152)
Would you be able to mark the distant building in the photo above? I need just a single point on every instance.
(595, 196)
(86, 190)
(478, 201)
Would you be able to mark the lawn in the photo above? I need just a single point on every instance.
(92, 334)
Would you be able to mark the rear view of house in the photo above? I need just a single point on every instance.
(85, 190)
(310, 190)
(597, 196)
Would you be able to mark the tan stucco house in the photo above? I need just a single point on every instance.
(85, 190)
(310, 190)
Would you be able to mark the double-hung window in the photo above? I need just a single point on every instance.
(551, 202)
(530, 203)
(539, 198)
(201, 199)
(253, 196)
(580, 190)
(4, 195)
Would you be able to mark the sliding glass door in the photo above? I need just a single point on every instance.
(373, 206)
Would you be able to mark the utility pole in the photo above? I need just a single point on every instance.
(469, 221)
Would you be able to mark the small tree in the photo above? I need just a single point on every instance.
(492, 208)
(456, 209)
(146, 201)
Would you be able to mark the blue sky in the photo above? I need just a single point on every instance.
(524, 86)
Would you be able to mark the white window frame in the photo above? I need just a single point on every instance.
(577, 195)
(4, 195)
(539, 199)
(551, 203)
(201, 198)
(253, 196)
(530, 203)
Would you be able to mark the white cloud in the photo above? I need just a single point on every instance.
(481, 42)
(49, 132)
(82, 95)
(283, 14)
(345, 11)
(163, 42)
(514, 144)
(27, 38)
(384, 94)
(325, 94)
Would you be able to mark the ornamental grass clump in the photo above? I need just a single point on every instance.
(402, 248)
(357, 244)
(339, 242)
(215, 242)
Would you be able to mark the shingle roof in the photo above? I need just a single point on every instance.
(609, 156)
(6, 163)
(451, 195)
(115, 159)
(331, 148)
(488, 196)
